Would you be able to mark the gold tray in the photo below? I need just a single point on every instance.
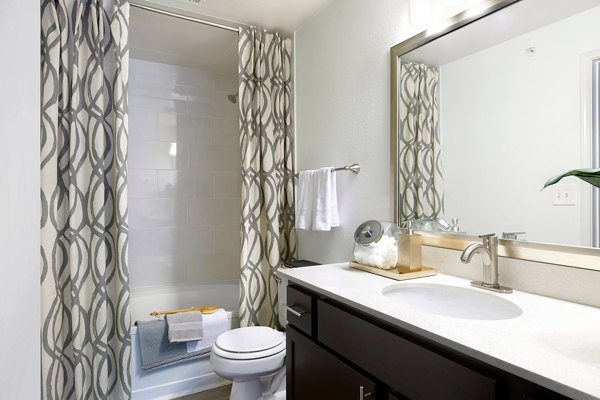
(393, 273)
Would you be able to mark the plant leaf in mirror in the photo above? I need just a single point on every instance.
(590, 175)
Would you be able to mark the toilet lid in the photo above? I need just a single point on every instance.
(250, 340)
(250, 343)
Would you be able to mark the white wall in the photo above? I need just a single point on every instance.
(184, 182)
(343, 109)
(492, 162)
(19, 202)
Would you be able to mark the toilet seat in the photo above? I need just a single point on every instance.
(249, 343)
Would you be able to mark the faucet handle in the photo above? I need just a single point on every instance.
(512, 235)
(489, 240)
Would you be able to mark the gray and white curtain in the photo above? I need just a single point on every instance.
(420, 169)
(84, 279)
(266, 139)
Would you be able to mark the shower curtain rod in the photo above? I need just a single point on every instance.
(185, 17)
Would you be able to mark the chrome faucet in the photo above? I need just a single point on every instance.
(489, 254)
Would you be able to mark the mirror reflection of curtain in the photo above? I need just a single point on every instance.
(420, 169)
(266, 139)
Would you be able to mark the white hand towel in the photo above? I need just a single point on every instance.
(212, 326)
(305, 200)
(185, 326)
(325, 209)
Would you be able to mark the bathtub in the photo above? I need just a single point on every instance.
(188, 377)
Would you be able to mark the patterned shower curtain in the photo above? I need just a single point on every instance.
(421, 181)
(84, 281)
(266, 139)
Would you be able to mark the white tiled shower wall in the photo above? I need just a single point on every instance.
(184, 176)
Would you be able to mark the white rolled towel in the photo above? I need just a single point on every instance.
(212, 326)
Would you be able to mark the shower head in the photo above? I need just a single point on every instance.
(232, 97)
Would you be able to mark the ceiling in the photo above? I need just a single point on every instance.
(281, 15)
(169, 40)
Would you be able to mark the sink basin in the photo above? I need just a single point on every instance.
(452, 301)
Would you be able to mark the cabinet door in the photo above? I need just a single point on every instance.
(414, 371)
(315, 374)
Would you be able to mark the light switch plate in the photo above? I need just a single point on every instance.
(563, 195)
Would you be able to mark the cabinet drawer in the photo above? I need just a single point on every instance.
(404, 366)
(300, 312)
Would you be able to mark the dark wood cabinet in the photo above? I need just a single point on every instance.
(414, 371)
(337, 352)
(314, 373)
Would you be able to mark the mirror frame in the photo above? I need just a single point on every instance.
(565, 255)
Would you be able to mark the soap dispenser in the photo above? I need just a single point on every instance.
(409, 249)
(454, 228)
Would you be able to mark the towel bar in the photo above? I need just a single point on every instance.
(354, 168)
(203, 310)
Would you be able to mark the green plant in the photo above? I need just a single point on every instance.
(590, 175)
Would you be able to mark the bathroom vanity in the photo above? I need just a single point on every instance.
(346, 340)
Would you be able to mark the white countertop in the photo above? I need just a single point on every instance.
(553, 343)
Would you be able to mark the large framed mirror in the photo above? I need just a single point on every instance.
(485, 108)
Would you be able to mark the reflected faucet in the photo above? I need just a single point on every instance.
(489, 254)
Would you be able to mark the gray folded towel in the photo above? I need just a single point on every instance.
(155, 349)
(185, 326)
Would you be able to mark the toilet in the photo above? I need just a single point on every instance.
(245, 355)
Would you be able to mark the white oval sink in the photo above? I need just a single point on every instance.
(452, 301)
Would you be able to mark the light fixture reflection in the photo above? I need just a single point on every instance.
(173, 150)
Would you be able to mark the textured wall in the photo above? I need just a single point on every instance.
(184, 181)
(20, 199)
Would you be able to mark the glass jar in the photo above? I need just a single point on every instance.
(375, 244)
